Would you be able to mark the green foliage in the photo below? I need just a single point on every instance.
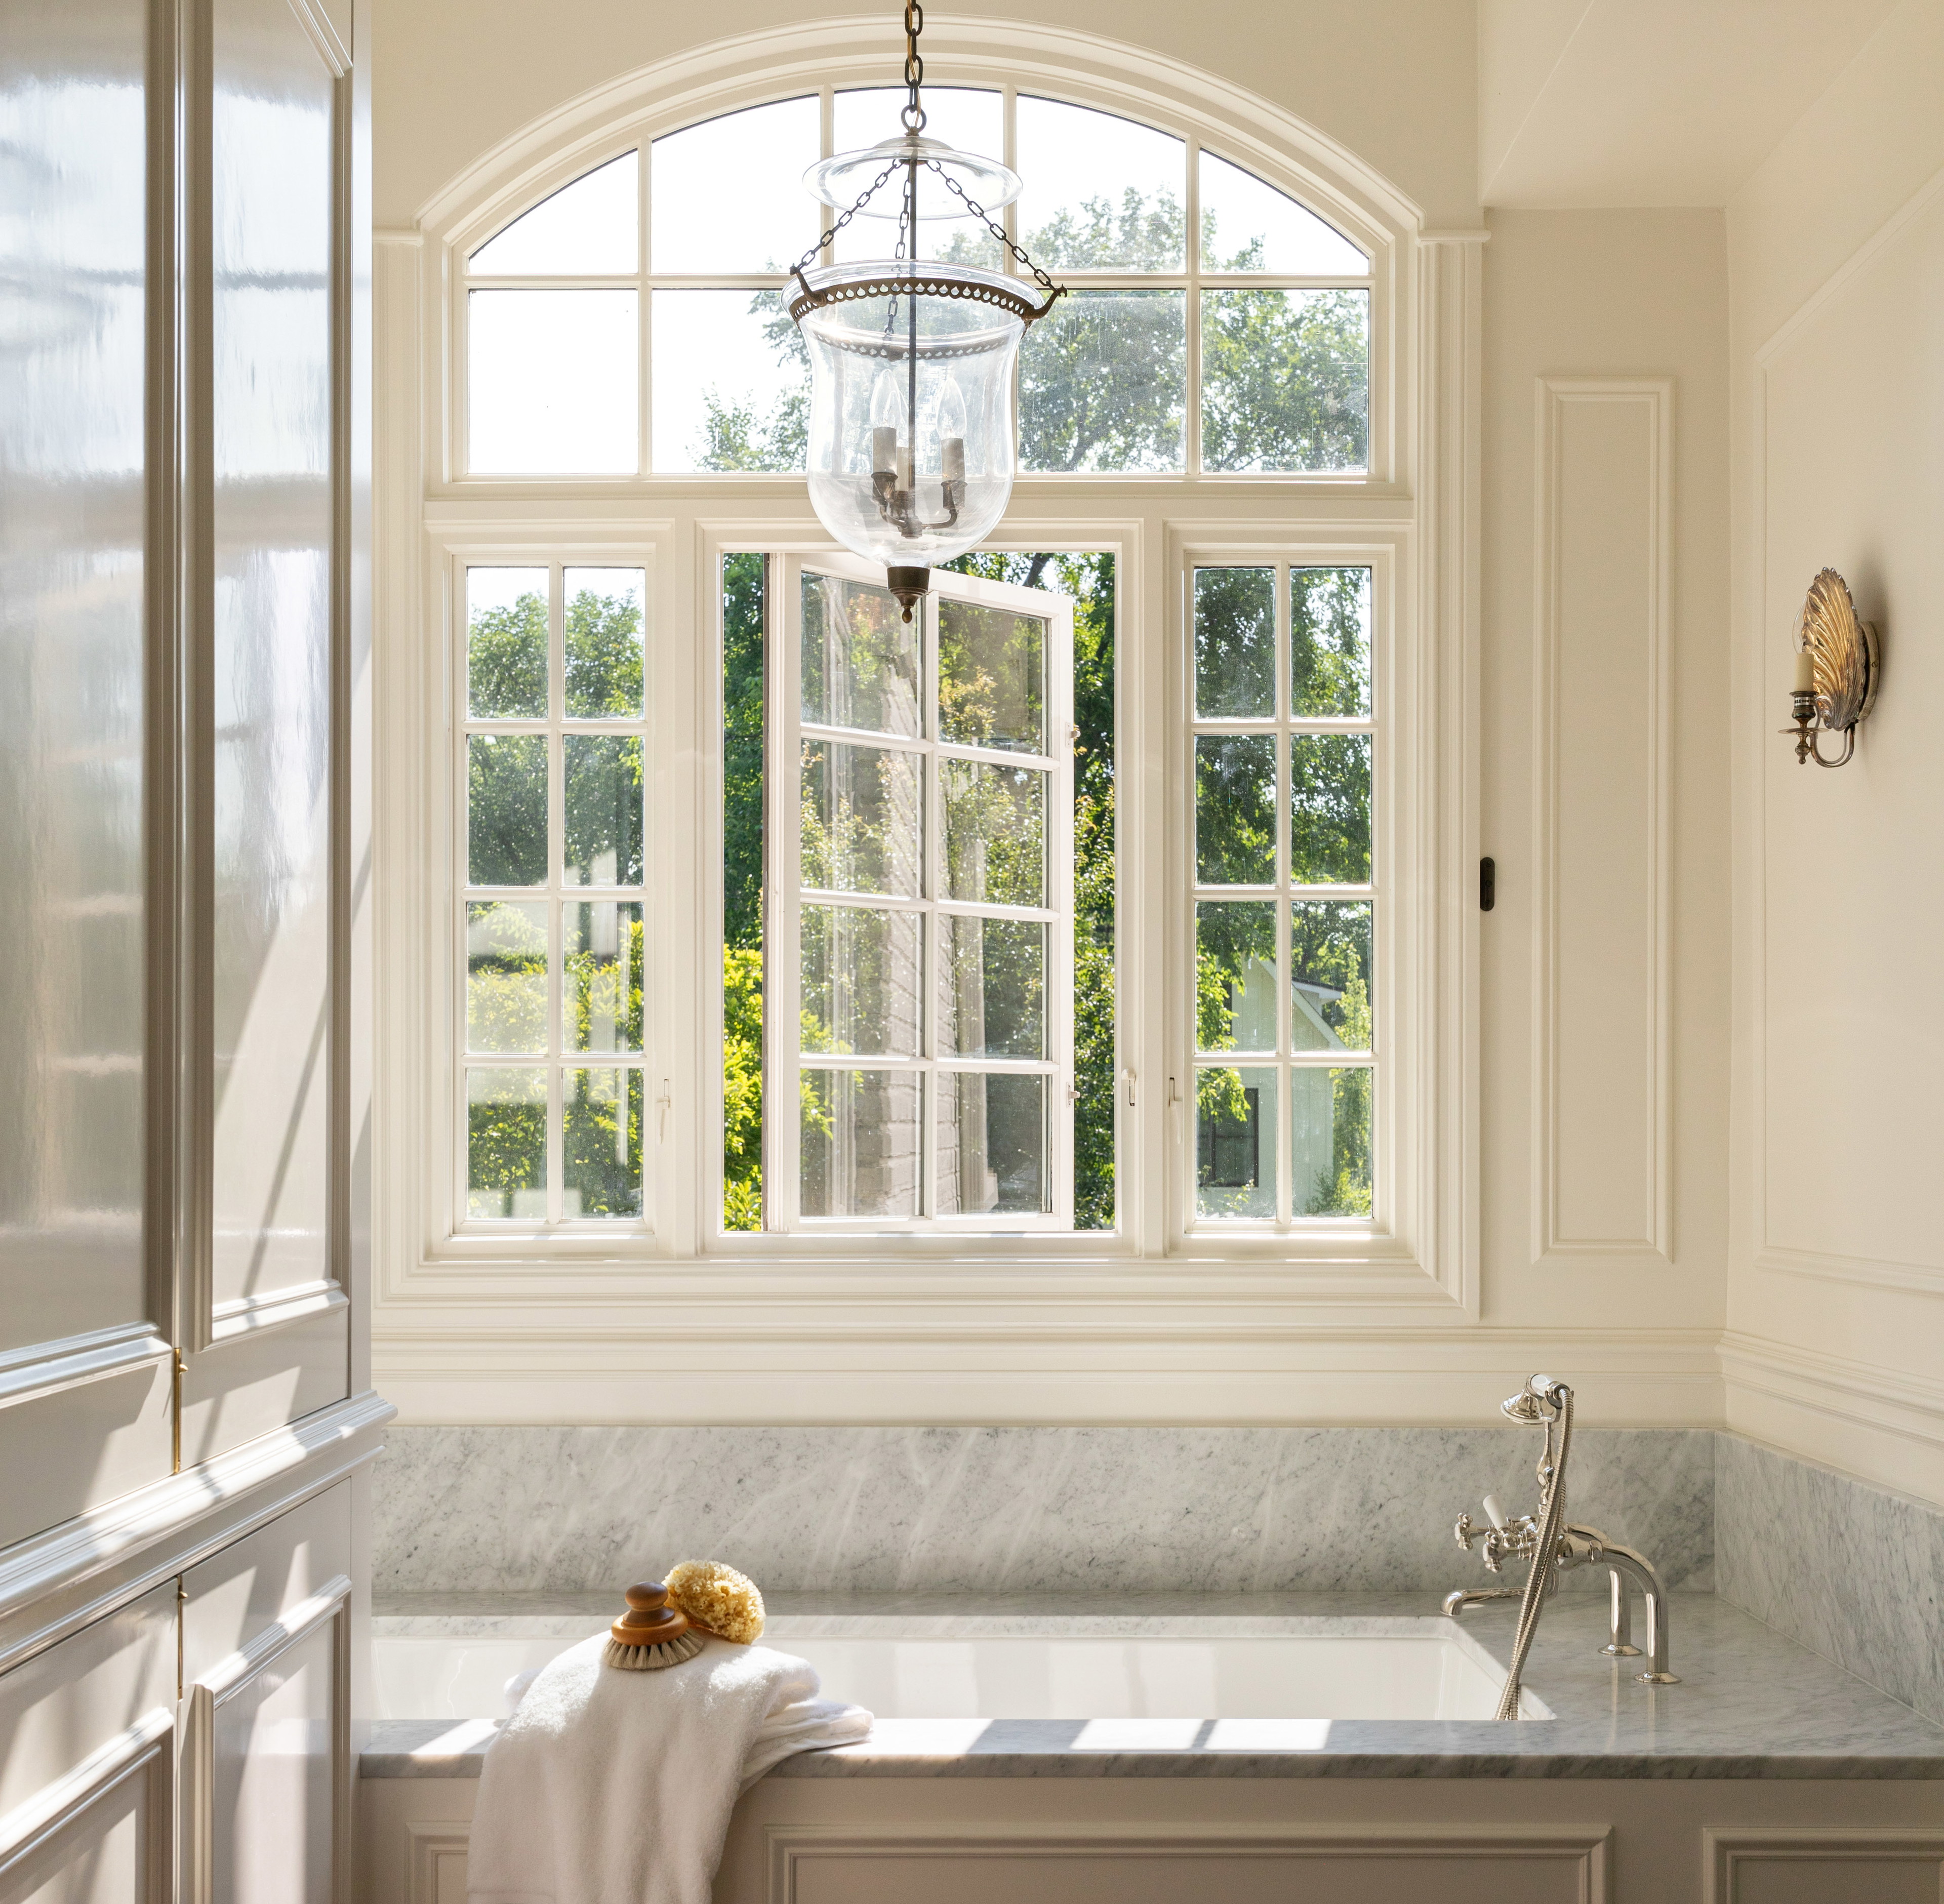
(604, 657)
(742, 1087)
(1329, 637)
(506, 661)
(1285, 379)
(601, 1142)
(1103, 378)
(506, 809)
(1329, 809)
(601, 828)
(1235, 809)
(744, 580)
(1344, 1189)
(506, 1142)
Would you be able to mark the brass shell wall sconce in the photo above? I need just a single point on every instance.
(1838, 666)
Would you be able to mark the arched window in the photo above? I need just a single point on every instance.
(1102, 907)
(633, 322)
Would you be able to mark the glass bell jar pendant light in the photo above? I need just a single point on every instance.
(913, 433)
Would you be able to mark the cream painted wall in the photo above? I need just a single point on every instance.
(1631, 295)
(1835, 1348)
(1391, 79)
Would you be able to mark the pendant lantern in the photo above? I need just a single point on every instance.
(914, 433)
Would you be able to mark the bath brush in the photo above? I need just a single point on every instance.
(651, 1634)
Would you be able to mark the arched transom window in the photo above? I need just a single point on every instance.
(632, 322)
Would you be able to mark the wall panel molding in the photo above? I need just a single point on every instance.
(1580, 1853)
(39, 1838)
(437, 1863)
(1602, 623)
(46, 1368)
(1729, 1858)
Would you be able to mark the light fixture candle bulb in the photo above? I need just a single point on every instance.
(952, 431)
(883, 448)
(1805, 672)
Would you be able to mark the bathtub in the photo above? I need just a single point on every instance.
(1167, 1683)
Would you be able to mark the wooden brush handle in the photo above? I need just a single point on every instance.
(650, 1619)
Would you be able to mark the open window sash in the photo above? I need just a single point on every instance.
(919, 897)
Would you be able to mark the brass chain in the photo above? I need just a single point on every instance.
(997, 230)
(810, 255)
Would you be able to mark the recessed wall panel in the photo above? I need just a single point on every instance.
(1600, 970)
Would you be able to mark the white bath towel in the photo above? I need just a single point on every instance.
(615, 1788)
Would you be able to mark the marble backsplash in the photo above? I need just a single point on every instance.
(1256, 1509)
(1853, 1572)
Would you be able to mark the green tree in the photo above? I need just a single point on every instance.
(506, 661)
(744, 580)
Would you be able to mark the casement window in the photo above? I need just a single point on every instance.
(1092, 906)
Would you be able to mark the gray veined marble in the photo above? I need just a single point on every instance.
(1258, 1509)
(1853, 1571)
(1749, 1705)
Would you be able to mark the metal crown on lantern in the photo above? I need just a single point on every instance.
(913, 437)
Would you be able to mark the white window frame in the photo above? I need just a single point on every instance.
(1415, 513)
(783, 1057)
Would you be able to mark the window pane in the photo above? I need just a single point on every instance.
(1235, 809)
(1329, 809)
(506, 1143)
(604, 643)
(590, 228)
(506, 977)
(1236, 1142)
(1235, 976)
(731, 382)
(1102, 193)
(745, 593)
(1330, 640)
(1330, 1140)
(861, 666)
(992, 987)
(506, 644)
(862, 809)
(601, 952)
(506, 809)
(1330, 975)
(727, 194)
(991, 1143)
(600, 1143)
(995, 832)
(1101, 383)
(992, 677)
(1285, 379)
(859, 1155)
(602, 842)
(970, 120)
(1247, 226)
(554, 382)
(863, 976)
(1235, 642)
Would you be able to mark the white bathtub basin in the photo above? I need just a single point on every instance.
(1167, 1674)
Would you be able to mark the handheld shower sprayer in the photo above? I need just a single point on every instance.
(1551, 1543)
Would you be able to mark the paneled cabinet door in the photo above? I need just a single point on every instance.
(266, 1786)
(267, 1324)
(85, 1374)
(87, 1760)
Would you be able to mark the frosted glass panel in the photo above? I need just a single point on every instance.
(1102, 193)
(727, 194)
(590, 228)
(1247, 226)
(731, 386)
(554, 382)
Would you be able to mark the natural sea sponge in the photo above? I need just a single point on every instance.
(719, 1597)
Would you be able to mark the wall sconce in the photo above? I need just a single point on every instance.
(1837, 668)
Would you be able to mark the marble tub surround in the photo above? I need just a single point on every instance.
(1135, 1509)
(1750, 1704)
(1853, 1571)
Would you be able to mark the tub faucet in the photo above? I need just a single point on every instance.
(1526, 1537)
